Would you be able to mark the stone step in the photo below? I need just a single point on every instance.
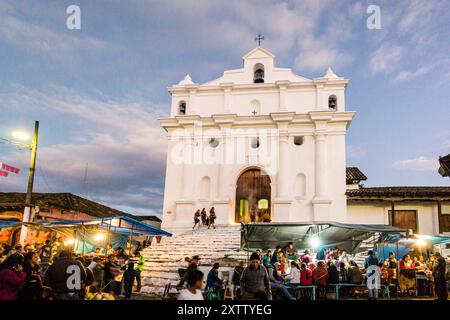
(163, 259)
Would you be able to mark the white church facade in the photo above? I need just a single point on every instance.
(263, 140)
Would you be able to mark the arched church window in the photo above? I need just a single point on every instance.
(298, 140)
(255, 142)
(258, 76)
(300, 186)
(182, 108)
(205, 188)
(213, 142)
(332, 102)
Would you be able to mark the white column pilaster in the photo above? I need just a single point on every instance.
(321, 165)
(226, 87)
(282, 87)
(188, 172)
(283, 170)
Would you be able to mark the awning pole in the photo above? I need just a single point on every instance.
(131, 238)
(397, 249)
(84, 239)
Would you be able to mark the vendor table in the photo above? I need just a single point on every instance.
(420, 277)
(337, 286)
(313, 287)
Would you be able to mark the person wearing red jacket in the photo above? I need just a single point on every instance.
(320, 279)
(12, 277)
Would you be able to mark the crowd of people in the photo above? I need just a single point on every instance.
(289, 274)
(54, 271)
(201, 218)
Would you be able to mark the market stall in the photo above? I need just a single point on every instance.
(313, 235)
(86, 235)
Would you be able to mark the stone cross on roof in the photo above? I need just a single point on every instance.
(259, 38)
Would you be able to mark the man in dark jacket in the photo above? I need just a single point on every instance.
(128, 280)
(255, 284)
(66, 277)
(440, 284)
(213, 280)
(193, 265)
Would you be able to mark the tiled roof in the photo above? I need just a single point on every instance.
(444, 169)
(67, 201)
(149, 218)
(410, 192)
(353, 173)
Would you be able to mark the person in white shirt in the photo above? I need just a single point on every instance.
(194, 285)
(294, 275)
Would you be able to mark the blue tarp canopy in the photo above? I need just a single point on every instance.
(401, 244)
(122, 224)
(9, 223)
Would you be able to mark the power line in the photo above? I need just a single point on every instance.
(44, 176)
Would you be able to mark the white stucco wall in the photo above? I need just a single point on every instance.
(377, 213)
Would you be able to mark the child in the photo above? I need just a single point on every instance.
(194, 284)
(128, 280)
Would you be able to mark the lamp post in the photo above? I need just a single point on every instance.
(27, 209)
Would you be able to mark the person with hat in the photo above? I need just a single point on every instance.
(440, 284)
(255, 283)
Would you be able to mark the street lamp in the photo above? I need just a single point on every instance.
(27, 210)
(20, 135)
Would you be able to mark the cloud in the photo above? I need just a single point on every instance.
(408, 75)
(59, 44)
(385, 58)
(417, 15)
(417, 164)
(120, 141)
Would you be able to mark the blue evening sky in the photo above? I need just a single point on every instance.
(98, 91)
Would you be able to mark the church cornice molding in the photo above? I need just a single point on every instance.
(283, 84)
(275, 119)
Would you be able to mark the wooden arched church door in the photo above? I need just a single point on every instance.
(253, 193)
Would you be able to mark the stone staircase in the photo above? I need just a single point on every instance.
(364, 247)
(212, 245)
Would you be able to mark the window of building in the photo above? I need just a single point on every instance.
(406, 219)
(258, 76)
(263, 204)
(213, 142)
(445, 222)
(298, 140)
(205, 188)
(255, 143)
(182, 108)
(332, 102)
(300, 186)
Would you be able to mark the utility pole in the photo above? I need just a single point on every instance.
(27, 210)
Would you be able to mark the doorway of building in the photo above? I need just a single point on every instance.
(252, 196)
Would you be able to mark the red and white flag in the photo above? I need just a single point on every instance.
(6, 167)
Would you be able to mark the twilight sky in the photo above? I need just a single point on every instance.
(98, 91)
